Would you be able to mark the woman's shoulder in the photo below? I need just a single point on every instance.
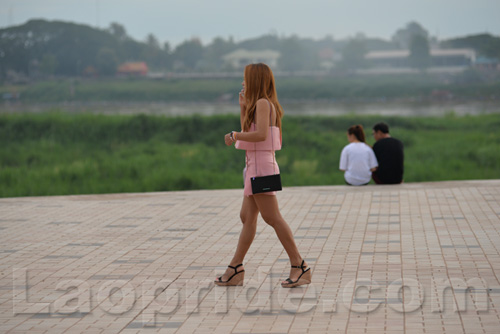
(348, 147)
(357, 146)
(263, 105)
(363, 147)
(262, 102)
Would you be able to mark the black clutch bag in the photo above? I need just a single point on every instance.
(264, 184)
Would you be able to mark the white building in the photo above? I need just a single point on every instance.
(239, 58)
(441, 60)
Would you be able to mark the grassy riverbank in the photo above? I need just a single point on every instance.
(59, 153)
(341, 88)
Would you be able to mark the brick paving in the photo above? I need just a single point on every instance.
(413, 258)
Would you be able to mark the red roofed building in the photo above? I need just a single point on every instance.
(139, 69)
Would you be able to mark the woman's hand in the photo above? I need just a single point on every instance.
(228, 140)
(241, 99)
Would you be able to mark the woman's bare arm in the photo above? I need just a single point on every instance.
(242, 117)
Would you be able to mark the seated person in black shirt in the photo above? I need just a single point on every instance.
(390, 156)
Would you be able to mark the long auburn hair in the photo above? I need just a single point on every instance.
(259, 83)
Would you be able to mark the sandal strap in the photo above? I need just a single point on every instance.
(300, 267)
(236, 272)
(239, 265)
(289, 280)
(235, 269)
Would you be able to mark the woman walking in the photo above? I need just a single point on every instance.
(260, 117)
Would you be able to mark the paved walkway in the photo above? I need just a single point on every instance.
(414, 258)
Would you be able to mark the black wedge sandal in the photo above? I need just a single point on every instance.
(230, 282)
(304, 278)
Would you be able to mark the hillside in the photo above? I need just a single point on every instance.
(484, 44)
(41, 48)
(63, 48)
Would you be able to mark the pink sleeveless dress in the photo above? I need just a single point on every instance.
(260, 159)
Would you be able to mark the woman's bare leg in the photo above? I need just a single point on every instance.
(269, 210)
(248, 215)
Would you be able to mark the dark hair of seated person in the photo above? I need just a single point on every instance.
(382, 127)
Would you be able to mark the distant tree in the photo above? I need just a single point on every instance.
(353, 54)
(484, 44)
(189, 53)
(327, 41)
(152, 53)
(106, 61)
(167, 55)
(118, 31)
(270, 42)
(48, 64)
(292, 55)
(14, 55)
(152, 42)
(403, 36)
(167, 48)
(419, 52)
(131, 50)
(216, 50)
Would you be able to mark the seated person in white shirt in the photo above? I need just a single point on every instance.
(357, 159)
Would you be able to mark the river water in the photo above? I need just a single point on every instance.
(292, 108)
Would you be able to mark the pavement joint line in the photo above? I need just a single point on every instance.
(145, 308)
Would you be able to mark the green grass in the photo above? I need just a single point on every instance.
(61, 153)
(310, 88)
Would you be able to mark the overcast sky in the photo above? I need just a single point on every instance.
(177, 20)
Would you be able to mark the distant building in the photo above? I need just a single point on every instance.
(487, 63)
(441, 59)
(239, 58)
(139, 69)
(327, 58)
(90, 71)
